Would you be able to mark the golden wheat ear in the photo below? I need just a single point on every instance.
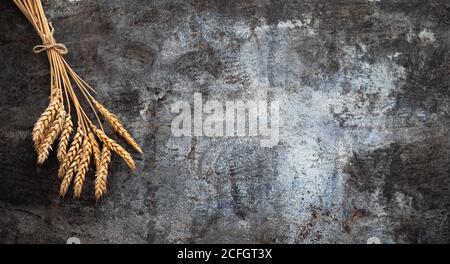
(71, 153)
(117, 126)
(44, 122)
(83, 166)
(64, 139)
(52, 133)
(73, 167)
(101, 176)
(118, 149)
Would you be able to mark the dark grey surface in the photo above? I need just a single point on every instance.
(364, 141)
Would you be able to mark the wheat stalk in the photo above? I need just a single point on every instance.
(56, 120)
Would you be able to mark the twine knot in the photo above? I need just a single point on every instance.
(50, 43)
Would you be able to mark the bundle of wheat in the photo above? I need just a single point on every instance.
(55, 123)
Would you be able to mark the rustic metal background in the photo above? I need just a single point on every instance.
(364, 142)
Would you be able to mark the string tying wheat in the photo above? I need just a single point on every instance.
(56, 122)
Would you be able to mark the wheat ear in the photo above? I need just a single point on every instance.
(101, 176)
(72, 152)
(64, 139)
(83, 167)
(52, 134)
(72, 169)
(117, 126)
(44, 121)
(118, 149)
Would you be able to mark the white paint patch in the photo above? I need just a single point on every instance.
(403, 202)
(395, 55)
(290, 24)
(427, 36)
(297, 24)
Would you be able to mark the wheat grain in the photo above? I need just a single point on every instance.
(82, 167)
(101, 176)
(117, 126)
(64, 139)
(118, 149)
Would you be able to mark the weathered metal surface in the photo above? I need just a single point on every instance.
(364, 136)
